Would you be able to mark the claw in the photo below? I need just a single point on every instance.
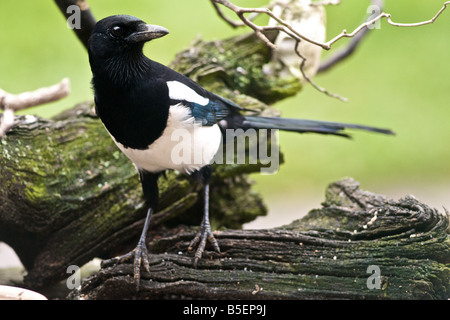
(139, 255)
(200, 238)
(204, 233)
(140, 258)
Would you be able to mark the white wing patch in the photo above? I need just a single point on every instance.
(179, 91)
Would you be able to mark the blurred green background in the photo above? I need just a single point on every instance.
(398, 78)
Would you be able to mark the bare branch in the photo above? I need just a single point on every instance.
(344, 33)
(87, 22)
(232, 23)
(285, 27)
(37, 97)
(11, 103)
(260, 30)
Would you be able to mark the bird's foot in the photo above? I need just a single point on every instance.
(139, 256)
(205, 234)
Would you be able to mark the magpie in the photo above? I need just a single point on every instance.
(142, 103)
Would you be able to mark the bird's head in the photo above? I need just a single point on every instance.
(120, 35)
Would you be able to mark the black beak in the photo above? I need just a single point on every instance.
(147, 32)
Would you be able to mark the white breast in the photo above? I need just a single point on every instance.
(185, 145)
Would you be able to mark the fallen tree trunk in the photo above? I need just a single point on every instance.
(359, 245)
(67, 195)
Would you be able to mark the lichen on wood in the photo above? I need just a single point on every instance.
(234, 68)
(69, 195)
(329, 254)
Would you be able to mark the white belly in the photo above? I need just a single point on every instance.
(185, 145)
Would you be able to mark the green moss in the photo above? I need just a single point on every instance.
(236, 64)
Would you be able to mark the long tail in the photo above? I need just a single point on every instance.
(302, 126)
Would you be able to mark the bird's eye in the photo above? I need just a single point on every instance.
(117, 31)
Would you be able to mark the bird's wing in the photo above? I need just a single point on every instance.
(206, 107)
(202, 108)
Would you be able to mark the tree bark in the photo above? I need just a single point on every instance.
(359, 245)
(69, 195)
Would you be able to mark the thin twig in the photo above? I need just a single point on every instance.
(351, 47)
(345, 34)
(232, 23)
(285, 27)
(40, 96)
(260, 30)
(289, 30)
(308, 78)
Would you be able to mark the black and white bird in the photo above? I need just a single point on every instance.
(141, 103)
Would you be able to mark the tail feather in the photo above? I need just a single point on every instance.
(302, 126)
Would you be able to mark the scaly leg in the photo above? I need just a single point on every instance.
(139, 254)
(204, 233)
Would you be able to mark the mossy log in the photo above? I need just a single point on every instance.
(359, 245)
(67, 195)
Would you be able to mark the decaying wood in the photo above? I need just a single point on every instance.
(67, 195)
(329, 254)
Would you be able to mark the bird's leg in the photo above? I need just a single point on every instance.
(139, 255)
(204, 233)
